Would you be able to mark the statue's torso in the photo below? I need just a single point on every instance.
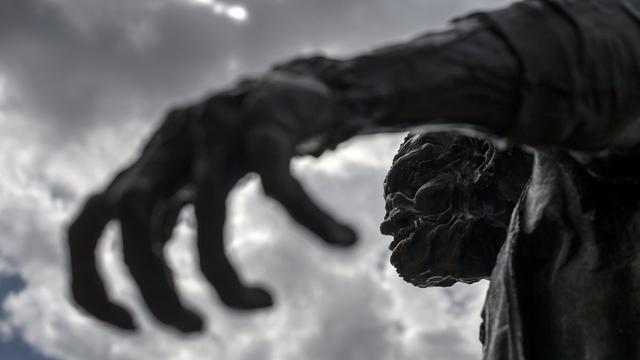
(567, 282)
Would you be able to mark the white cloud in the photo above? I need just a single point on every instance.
(236, 12)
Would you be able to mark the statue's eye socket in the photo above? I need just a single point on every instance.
(433, 197)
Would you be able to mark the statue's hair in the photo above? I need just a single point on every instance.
(473, 163)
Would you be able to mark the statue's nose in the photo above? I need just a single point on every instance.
(387, 227)
(397, 206)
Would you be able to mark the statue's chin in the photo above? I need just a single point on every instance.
(430, 276)
(435, 281)
(413, 261)
(426, 262)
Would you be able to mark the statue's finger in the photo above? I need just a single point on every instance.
(270, 150)
(210, 208)
(147, 265)
(87, 287)
(166, 213)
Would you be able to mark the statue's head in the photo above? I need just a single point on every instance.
(449, 200)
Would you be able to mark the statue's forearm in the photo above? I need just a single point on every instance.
(467, 76)
(474, 75)
(404, 88)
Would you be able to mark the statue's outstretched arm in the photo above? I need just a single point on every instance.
(503, 73)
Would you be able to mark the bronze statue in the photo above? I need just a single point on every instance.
(561, 77)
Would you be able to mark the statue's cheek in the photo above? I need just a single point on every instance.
(434, 197)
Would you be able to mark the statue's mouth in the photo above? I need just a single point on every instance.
(430, 252)
(405, 234)
(403, 258)
(418, 255)
(402, 224)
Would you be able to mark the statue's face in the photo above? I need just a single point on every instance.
(448, 207)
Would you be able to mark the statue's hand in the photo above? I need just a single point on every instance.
(257, 134)
(284, 110)
(264, 144)
(270, 150)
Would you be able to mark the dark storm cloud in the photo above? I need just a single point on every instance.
(74, 64)
(281, 28)
(59, 73)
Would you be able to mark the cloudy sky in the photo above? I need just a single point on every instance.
(83, 82)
